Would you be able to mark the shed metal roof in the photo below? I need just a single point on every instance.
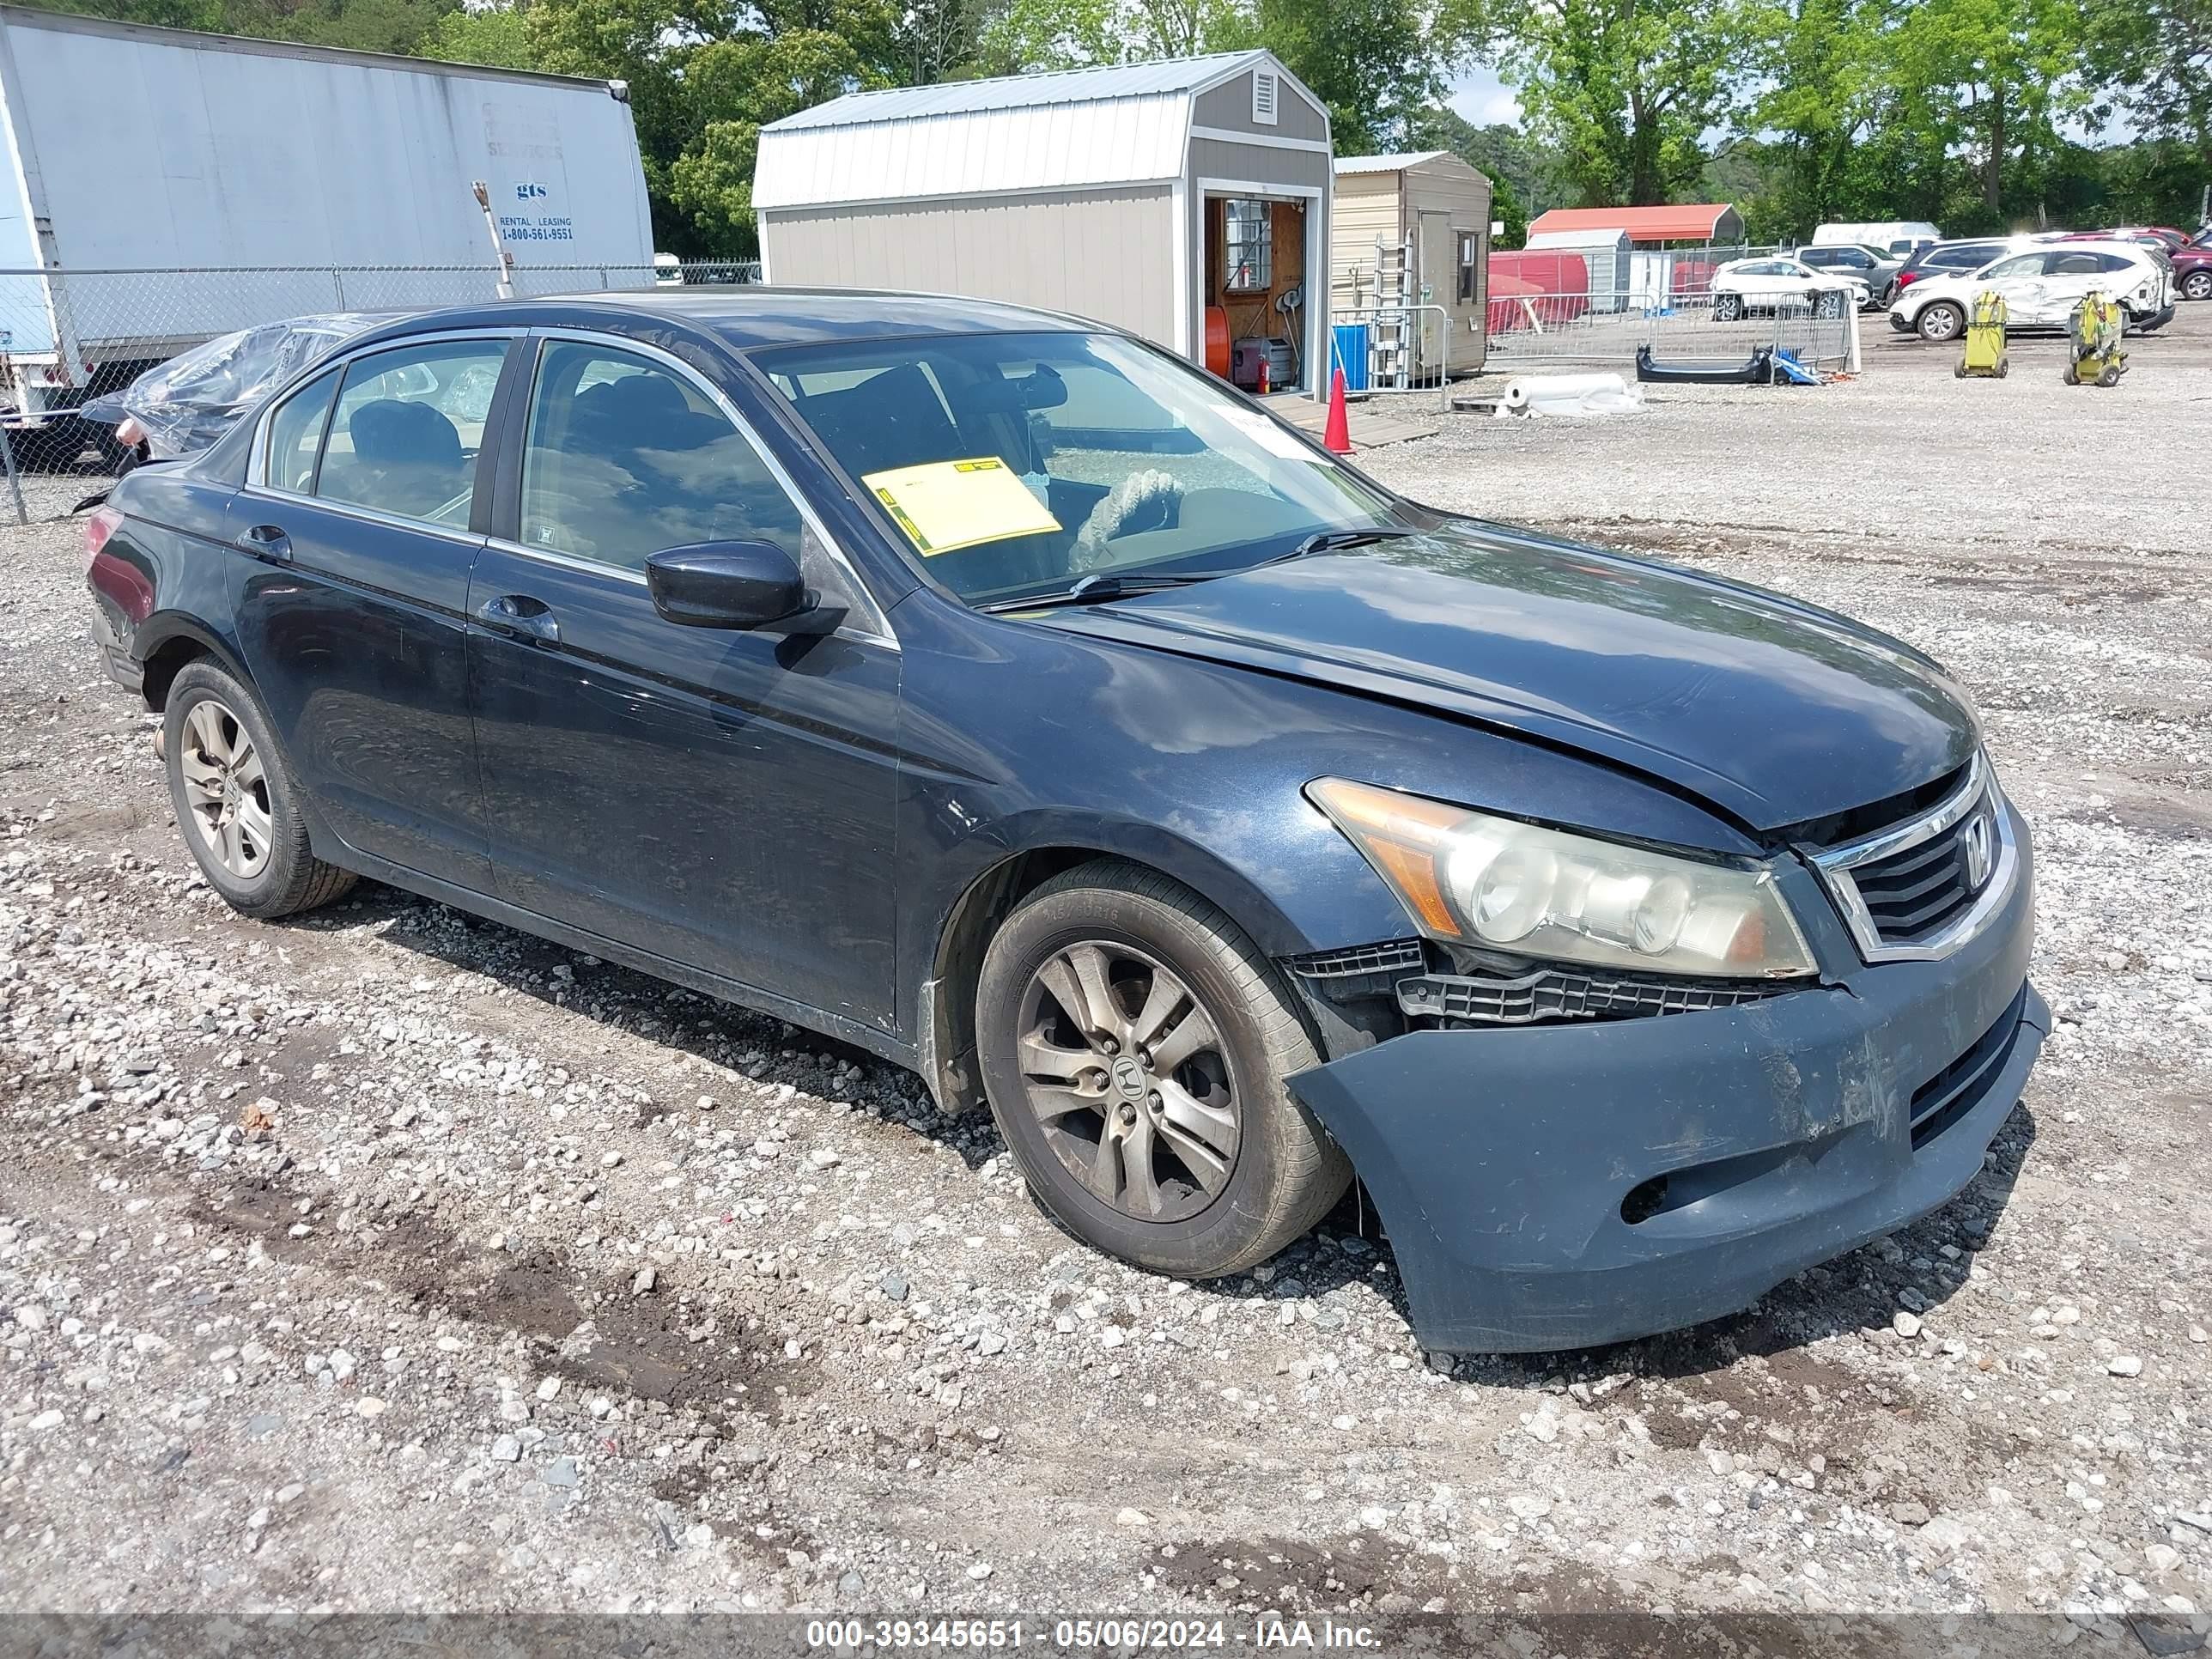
(1398, 163)
(1692, 222)
(1023, 92)
(1073, 129)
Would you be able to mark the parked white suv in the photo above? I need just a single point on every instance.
(2042, 287)
(1743, 286)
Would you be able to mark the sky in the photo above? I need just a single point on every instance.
(1479, 95)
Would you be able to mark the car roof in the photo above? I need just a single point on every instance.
(751, 316)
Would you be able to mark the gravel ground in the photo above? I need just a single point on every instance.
(390, 1260)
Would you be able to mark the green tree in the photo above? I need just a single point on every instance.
(497, 35)
(1370, 61)
(737, 86)
(2162, 54)
(1624, 90)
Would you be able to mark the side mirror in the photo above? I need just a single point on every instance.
(725, 585)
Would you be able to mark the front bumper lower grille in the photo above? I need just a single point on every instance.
(1958, 1087)
(1556, 994)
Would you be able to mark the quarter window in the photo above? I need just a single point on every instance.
(408, 426)
(625, 460)
(295, 435)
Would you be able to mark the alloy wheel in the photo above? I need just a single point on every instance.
(227, 789)
(1129, 1078)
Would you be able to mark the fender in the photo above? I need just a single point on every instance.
(165, 626)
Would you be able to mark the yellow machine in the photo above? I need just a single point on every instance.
(1983, 352)
(2093, 353)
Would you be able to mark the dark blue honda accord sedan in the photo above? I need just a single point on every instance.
(1006, 697)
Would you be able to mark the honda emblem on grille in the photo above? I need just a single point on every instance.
(1980, 851)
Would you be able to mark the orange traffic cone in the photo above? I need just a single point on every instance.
(1337, 436)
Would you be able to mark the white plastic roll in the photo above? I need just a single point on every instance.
(1571, 394)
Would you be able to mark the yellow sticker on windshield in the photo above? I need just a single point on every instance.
(949, 505)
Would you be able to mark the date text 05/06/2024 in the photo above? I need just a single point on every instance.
(1120, 1635)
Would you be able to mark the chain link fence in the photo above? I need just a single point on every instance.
(1535, 331)
(69, 336)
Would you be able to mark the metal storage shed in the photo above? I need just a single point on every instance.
(1145, 195)
(1607, 253)
(1411, 229)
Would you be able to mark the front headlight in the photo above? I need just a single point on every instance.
(1498, 883)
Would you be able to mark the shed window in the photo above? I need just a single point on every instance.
(1467, 271)
(1251, 245)
(1264, 89)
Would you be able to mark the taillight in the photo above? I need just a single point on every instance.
(1907, 278)
(97, 529)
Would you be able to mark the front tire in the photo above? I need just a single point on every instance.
(2197, 285)
(1728, 307)
(1941, 321)
(1133, 1044)
(235, 801)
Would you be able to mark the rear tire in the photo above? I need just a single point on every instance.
(1151, 1121)
(1728, 307)
(2197, 285)
(235, 801)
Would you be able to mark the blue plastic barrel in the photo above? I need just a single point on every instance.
(1350, 343)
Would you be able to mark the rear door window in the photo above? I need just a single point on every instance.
(407, 430)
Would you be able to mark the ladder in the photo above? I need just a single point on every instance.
(1393, 346)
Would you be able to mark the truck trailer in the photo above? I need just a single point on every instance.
(161, 186)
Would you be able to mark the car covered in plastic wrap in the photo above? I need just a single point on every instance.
(184, 405)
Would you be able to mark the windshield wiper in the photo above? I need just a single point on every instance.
(1102, 585)
(1328, 541)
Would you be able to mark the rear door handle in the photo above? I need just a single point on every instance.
(266, 541)
(521, 617)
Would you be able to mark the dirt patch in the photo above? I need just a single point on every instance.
(599, 1333)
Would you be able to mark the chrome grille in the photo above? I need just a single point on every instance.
(1921, 888)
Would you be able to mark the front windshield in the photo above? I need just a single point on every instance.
(1018, 463)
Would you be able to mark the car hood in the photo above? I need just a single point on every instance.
(1774, 711)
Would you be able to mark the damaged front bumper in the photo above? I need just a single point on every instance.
(1562, 1186)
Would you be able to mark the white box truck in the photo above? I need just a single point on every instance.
(132, 150)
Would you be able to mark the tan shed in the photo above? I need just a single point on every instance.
(1411, 230)
(1186, 201)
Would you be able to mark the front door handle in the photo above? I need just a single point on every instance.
(266, 541)
(522, 617)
